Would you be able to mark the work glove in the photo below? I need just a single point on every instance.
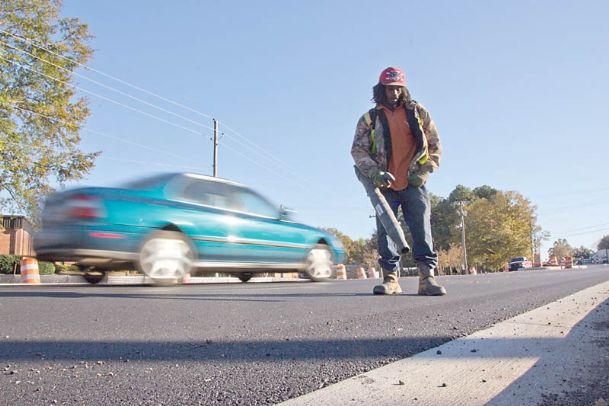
(382, 179)
(418, 179)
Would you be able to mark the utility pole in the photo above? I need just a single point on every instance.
(463, 214)
(532, 240)
(215, 148)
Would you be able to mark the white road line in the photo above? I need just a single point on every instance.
(511, 363)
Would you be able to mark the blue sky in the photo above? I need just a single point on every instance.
(517, 89)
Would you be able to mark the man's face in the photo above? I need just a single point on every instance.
(392, 94)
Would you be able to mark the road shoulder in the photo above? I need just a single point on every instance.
(529, 359)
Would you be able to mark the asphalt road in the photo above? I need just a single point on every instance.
(248, 344)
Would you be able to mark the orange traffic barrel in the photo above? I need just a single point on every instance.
(568, 262)
(372, 273)
(341, 272)
(29, 270)
(360, 273)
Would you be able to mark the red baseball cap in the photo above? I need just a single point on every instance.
(392, 77)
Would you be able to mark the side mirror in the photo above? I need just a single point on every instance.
(286, 213)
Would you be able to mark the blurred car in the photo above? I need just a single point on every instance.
(167, 225)
(519, 263)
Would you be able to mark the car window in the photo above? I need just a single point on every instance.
(253, 203)
(213, 194)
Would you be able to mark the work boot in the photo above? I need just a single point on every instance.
(427, 283)
(390, 285)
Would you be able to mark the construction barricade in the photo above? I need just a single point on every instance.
(29, 270)
(360, 273)
(341, 272)
(373, 273)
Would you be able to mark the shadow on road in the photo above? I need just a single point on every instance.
(224, 351)
(166, 295)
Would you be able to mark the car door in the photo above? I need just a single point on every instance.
(259, 235)
(205, 216)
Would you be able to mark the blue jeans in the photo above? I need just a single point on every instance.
(416, 208)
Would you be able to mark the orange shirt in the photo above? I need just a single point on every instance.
(403, 146)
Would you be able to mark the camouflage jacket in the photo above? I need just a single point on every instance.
(373, 153)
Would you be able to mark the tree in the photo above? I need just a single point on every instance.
(583, 252)
(461, 194)
(560, 249)
(40, 115)
(498, 229)
(359, 251)
(485, 192)
(603, 244)
(450, 259)
(444, 222)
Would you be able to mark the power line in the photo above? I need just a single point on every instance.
(561, 210)
(264, 154)
(106, 75)
(581, 233)
(572, 192)
(253, 161)
(123, 140)
(102, 97)
(253, 147)
(161, 164)
(585, 228)
(150, 148)
(109, 87)
(259, 150)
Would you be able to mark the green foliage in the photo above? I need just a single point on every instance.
(40, 116)
(444, 223)
(361, 252)
(485, 192)
(8, 263)
(461, 194)
(498, 229)
(603, 244)
(66, 269)
(46, 268)
(498, 226)
(560, 249)
(583, 252)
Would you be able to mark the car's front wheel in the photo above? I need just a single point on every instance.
(166, 257)
(319, 263)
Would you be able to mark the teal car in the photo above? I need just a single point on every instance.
(169, 225)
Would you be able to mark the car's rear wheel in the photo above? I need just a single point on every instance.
(166, 257)
(319, 263)
(245, 276)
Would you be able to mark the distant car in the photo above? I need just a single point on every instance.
(519, 263)
(167, 225)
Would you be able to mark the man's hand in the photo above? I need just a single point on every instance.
(427, 167)
(382, 179)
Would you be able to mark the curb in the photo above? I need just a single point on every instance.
(514, 362)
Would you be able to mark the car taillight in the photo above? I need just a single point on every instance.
(84, 207)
